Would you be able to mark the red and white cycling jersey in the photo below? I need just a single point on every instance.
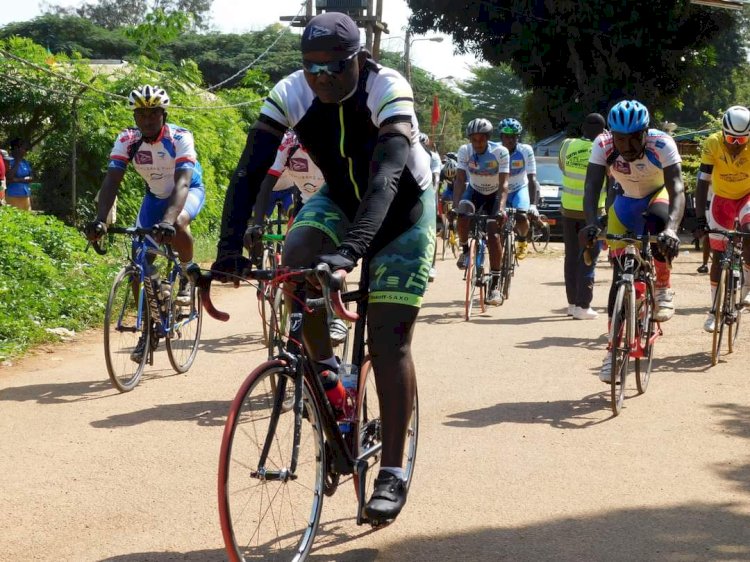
(644, 176)
(294, 164)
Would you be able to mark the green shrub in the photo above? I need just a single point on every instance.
(47, 280)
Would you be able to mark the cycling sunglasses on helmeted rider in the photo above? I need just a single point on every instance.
(331, 68)
(733, 139)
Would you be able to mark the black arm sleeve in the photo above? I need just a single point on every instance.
(388, 161)
(257, 157)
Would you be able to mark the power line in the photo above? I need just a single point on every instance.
(243, 70)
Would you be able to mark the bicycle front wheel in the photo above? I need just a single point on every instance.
(270, 505)
(471, 286)
(124, 328)
(719, 302)
(620, 338)
(368, 430)
(506, 269)
(735, 308)
(646, 328)
(184, 333)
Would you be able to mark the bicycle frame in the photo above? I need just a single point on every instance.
(302, 371)
(636, 263)
(141, 257)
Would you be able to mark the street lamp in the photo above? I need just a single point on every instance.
(407, 50)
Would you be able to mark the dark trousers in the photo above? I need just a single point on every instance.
(579, 277)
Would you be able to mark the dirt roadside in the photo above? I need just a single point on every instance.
(519, 458)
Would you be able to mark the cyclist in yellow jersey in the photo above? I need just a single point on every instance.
(725, 166)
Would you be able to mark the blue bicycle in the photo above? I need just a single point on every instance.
(142, 308)
(477, 276)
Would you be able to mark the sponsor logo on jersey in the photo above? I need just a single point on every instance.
(660, 144)
(621, 167)
(734, 178)
(517, 164)
(298, 165)
(144, 158)
(161, 154)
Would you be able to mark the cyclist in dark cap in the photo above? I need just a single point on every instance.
(357, 121)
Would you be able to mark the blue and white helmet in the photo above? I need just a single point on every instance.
(628, 116)
(510, 126)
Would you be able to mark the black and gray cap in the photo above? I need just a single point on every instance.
(331, 31)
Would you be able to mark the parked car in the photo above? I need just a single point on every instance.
(550, 192)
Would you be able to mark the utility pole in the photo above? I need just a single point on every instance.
(407, 55)
(367, 14)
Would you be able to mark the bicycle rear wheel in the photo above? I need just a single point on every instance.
(368, 430)
(539, 234)
(123, 330)
(645, 327)
(719, 302)
(270, 512)
(620, 337)
(471, 286)
(184, 330)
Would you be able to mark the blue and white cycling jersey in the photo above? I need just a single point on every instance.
(483, 170)
(157, 162)
(522, 163)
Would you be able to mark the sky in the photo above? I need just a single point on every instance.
(236, 16)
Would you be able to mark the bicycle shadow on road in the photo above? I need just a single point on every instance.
(561, 414)
(207, 413)
(237, 343)
(559, 341)
(695, 532)
(698, 362)
(60, 393)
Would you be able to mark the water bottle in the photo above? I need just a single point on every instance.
(334, 391)
(349, 376)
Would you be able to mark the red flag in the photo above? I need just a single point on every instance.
(435, 111)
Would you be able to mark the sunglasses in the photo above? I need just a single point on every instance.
(330, 68)
(731, 139)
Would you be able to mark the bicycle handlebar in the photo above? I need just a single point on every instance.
(129, 230)
(331, 282)
(727, 233)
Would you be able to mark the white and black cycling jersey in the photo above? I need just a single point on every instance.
(341, 137)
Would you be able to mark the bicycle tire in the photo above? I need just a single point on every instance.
(646, 327)
(185, 325)
(120, 320)
(719, 317)
(470, 286)
(252, 505)
(481, 278)
(620, 338)
(540, 234)
(735, 302)
(266, 297)
(506, 270)
(368, 429)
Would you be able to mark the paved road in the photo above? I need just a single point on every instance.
(519, 457)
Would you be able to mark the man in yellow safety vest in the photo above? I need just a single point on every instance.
(573, 161)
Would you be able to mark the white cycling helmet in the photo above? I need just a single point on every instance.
(449, 169)
(736, 121)
(148, 96)
(479, 125)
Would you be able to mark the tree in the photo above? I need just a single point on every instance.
(69, 34)
(577, 57)
(112, 14)
(495, 92)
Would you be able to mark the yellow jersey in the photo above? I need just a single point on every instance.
(731, 176)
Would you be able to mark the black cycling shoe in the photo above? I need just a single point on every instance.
(703, 268)
(388, 498)
(140, 349)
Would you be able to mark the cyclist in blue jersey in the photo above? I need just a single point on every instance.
(481, 186)
(523, 187)
(357, 121)
(164, 155)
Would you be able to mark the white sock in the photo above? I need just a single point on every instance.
(714, 288)
(397, 471)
